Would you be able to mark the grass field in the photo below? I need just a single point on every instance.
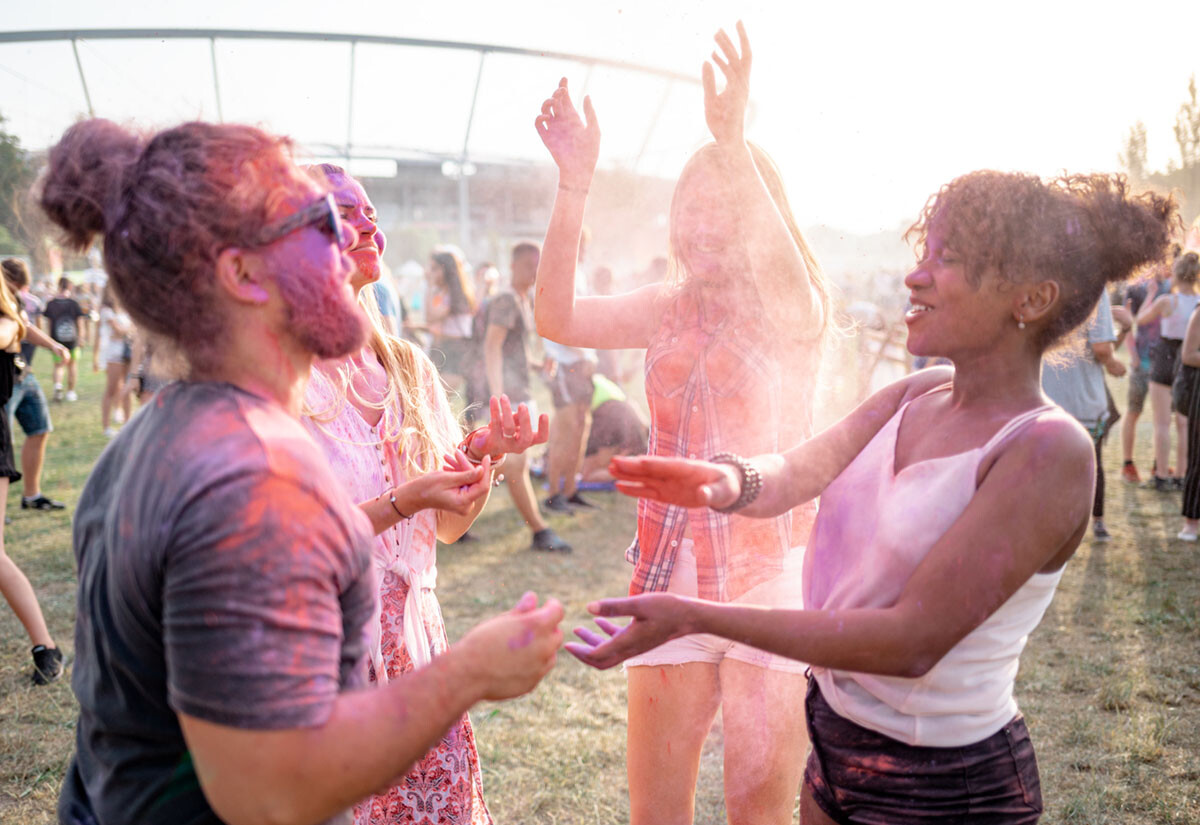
(1110, 682)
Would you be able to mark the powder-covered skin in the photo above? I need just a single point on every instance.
(222, 574)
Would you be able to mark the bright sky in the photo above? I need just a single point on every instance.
(867, 107)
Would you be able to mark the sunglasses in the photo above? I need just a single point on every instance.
(322, 212)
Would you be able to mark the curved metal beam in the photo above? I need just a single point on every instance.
(247, 34)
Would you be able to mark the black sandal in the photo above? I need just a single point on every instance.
(547, 541)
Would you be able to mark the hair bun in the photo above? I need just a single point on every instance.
(85, 176)
(1133, 230)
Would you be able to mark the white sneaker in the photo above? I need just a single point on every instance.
(109, 432)
(1187, 535)
(71, 396)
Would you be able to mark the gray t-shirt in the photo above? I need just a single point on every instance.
(223, 574)
(1078, 384)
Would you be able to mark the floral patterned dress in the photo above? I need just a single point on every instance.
(445, 787)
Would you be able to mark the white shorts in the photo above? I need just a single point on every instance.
(783, 591)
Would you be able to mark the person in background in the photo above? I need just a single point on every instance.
(27, 404)
(1145, 336)
(617, 429)
(1189, 384)
(449, 312)
(487, 283)
(388, 301)
(733, 340)
(1173, 310)
(1076, 383)
(507, 339)
(64, 316)
(569, 372)
(113, 348)
(225, 577)
(14, 585)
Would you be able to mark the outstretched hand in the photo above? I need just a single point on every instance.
(657, 618)
(725, 113)
(681, 481)
(574, 144)
(509, 431)
(510, 653)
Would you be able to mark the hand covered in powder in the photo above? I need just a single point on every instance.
(574, 144)
(509, 654)
(725, 113)
(657, 618)
(681, 481)
(509, 431)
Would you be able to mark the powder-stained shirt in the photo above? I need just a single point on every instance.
(715, 383)
(1076, 383)
(223, 574)
(505, 311)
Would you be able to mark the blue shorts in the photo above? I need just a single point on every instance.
(28, 406)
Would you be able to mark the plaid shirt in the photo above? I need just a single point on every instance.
(713, 385)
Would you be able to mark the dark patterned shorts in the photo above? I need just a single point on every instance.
(860, 777)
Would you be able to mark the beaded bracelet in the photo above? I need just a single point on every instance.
(751, 481)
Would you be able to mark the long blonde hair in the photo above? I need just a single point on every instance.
(10, 308)
(677, 274)
(410, 407)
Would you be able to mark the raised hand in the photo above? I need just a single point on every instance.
(657, 618)
(509, 431)
(510, 653)
(725, 113)
(681, 481)
(574, 144)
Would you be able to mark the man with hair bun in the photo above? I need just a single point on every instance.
(225, 577)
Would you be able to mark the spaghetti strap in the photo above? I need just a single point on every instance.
(1015, 424)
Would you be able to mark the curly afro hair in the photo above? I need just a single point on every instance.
(1081, 231)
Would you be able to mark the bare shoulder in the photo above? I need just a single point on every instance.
(922, 381)
(1053, 446)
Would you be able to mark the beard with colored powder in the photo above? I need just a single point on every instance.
(324, 322)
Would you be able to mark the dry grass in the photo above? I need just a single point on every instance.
(1110, 682)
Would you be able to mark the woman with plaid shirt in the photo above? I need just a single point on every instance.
(733, 342)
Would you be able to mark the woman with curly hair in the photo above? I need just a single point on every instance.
(950, 503)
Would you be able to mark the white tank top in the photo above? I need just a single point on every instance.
(1175, 324)
(874, 528)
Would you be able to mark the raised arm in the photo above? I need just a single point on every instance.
(605, 322)
(790, 479)
(1028, 516)
(1154, 310)
(781, 274)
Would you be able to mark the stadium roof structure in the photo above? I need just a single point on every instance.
(374, 100)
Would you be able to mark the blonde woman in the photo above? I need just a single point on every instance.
(382, 418)
(18, 592)
(732, 346)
